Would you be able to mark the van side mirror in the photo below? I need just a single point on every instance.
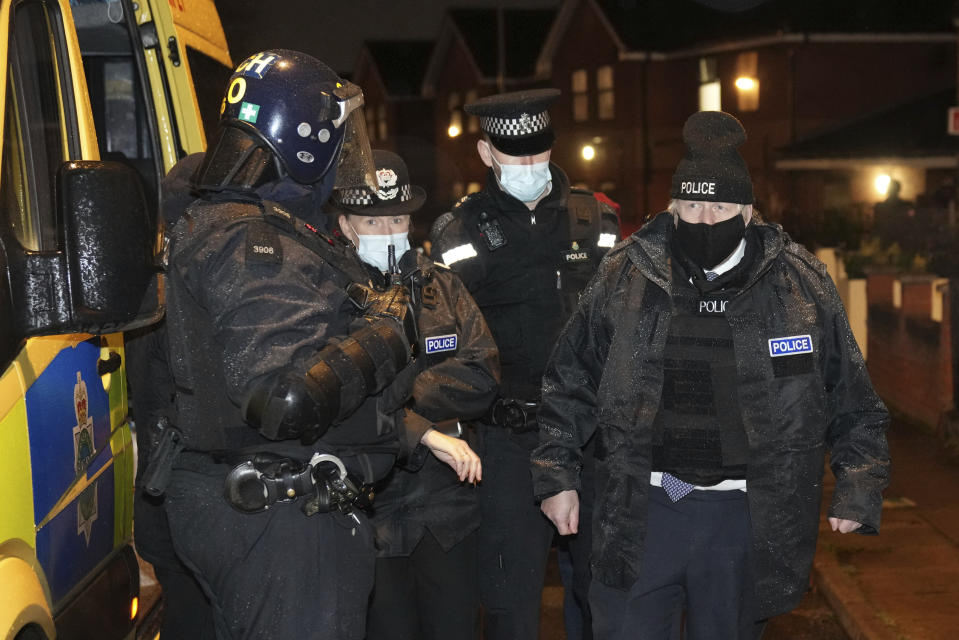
(110, 246)
(103, 277)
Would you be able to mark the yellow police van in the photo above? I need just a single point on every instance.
(98, 103)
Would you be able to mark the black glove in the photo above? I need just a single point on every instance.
(391, 303)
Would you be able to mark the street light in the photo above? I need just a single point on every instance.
(456, 123)
(588, 152)
(882, 183)
(745, 83)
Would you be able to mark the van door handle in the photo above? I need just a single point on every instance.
(111, 364)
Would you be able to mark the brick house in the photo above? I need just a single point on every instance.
(398, 117)
(632, 72)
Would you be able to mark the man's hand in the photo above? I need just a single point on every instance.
(563, 511)
(844, 526)
(456, 453)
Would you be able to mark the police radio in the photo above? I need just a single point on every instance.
(491, 232)
(392, 269)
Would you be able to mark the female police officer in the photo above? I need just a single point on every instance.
(426, 516)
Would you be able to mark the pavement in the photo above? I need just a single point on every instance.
(904, 583)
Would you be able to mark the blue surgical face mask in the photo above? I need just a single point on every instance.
(374, 249)
(525, 182)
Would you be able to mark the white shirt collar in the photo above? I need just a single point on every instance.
(732, 260)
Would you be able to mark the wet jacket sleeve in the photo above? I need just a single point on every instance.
(568, 413)
(460, 387)
(464, 385)
(857, 422)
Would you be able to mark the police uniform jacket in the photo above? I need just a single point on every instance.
(455, 376)
(253, 293)
(526, 286)
(606, 376)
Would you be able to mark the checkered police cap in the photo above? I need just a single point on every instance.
(517, 123)
(394, 195)
(524, 125)
(363, 198)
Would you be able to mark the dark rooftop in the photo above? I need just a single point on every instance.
(401, 64)
(669, 25)
(907, 130)
(524, 32)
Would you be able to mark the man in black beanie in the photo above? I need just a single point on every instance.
(712, 362)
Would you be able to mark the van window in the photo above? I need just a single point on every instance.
(35, 140)
(122, 112)
(209, 80)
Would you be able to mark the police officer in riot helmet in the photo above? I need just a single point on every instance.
(525, 246)
(280, 349)
(427, 512)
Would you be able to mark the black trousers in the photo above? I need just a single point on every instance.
(186, 611)
(514, 540)
(273, 574)
(430, 594)
(696, 561)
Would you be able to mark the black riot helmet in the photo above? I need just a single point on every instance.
(285, 115)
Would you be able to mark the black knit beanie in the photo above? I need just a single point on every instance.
(712, 169)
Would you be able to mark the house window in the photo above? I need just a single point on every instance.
(473, 187)
(606, 96)
(710, 90)
(580, 89)
(472, 123)
(747, 81)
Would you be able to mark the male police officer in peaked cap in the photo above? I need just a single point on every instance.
(426, 514)
(712, 363)
(525, 246)
(280, 349)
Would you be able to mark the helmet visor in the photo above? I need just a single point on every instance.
(356, 169)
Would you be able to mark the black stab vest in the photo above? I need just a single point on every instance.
(698, 433)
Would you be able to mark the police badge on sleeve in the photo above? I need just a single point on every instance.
(438, 344)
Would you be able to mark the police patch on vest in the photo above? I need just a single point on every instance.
(576, 254)
(790, 346)
(436, 344)
(263, 245)
(713, 306)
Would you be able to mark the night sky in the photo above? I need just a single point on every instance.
(334, 31)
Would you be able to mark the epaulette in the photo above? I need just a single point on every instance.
(440, 224)
(476, 195)
(606, 209)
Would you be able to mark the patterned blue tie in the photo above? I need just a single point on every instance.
(675, 488)
(711, 275)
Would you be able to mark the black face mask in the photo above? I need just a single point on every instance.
(709, 244)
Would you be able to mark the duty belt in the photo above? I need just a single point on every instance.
(263, 479)
(516, 415)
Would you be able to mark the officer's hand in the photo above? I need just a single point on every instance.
(563, 511)
(456, 453)
(844, 526)
(392, 303)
